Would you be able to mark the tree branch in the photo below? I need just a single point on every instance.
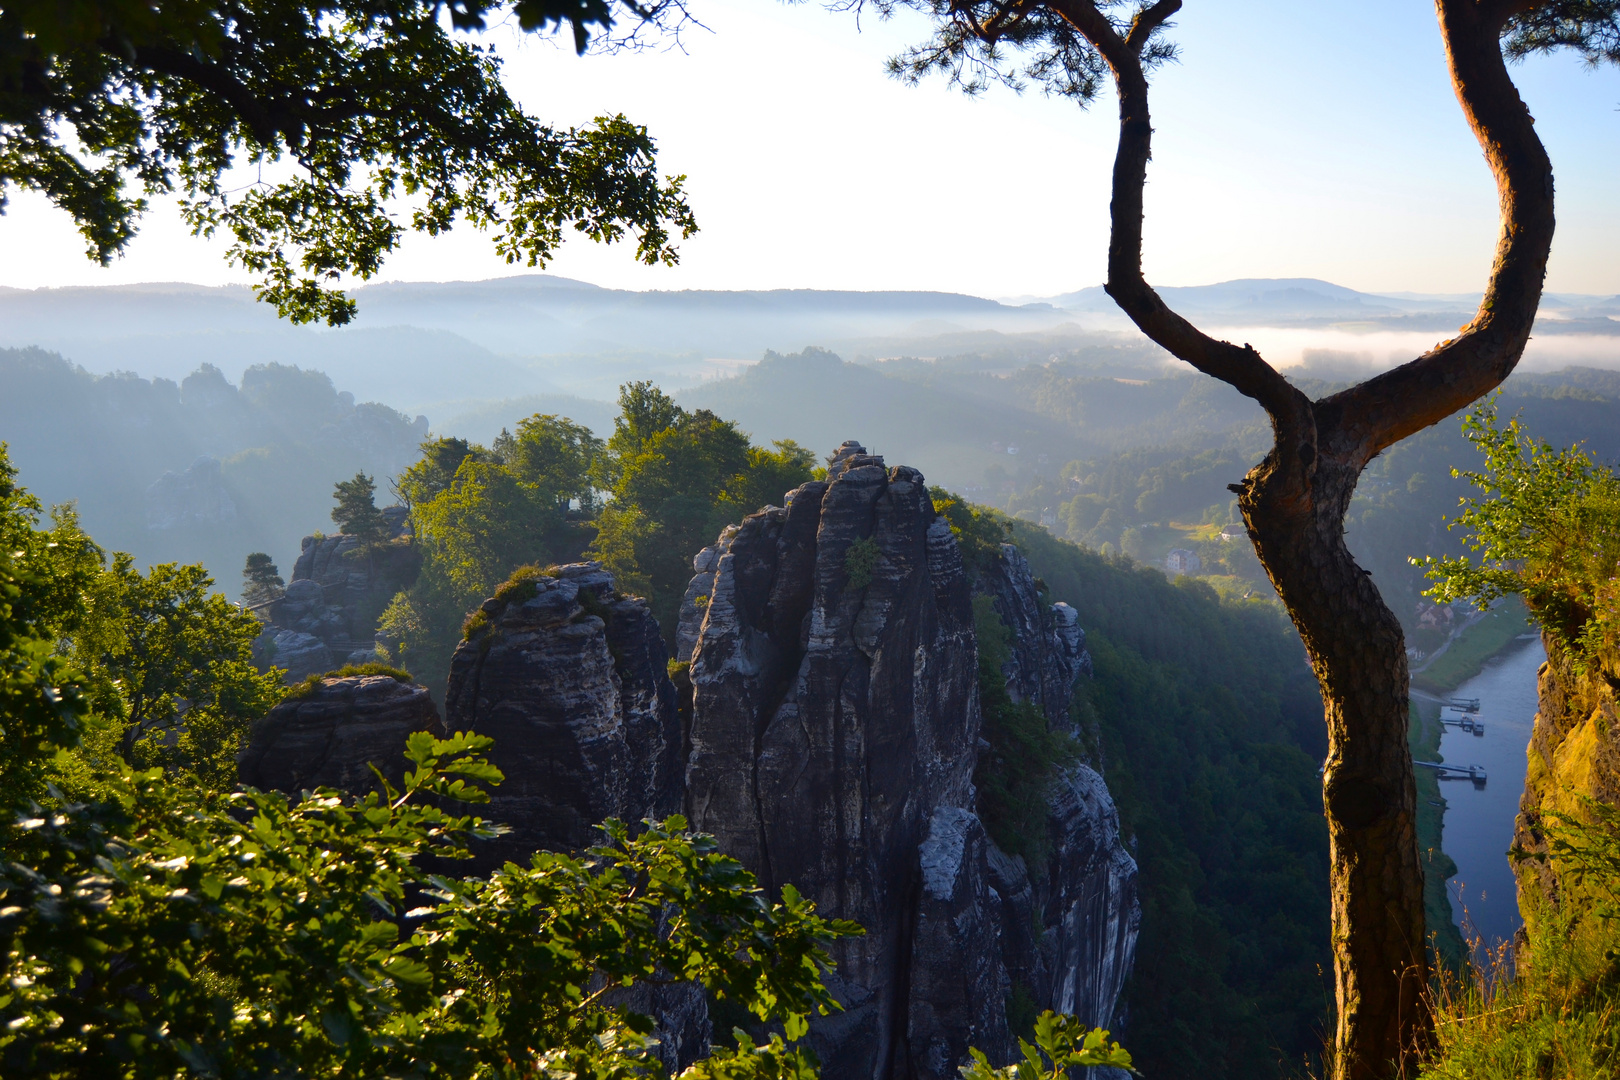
(1389, 407)
(1243, 368)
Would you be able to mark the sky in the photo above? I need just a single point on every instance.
(1293, 140)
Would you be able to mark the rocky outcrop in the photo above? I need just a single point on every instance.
(1047, 653)
(569, 678)
(187, 499)
(300, 654)
(339, 587)
(331, 735)
(1574, 754)
(831, 733)
(835, 727)
(834, 714)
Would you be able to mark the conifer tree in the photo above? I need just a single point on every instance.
(356, 511)
(261, 580)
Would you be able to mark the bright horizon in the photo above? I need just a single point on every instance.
(1290, 143)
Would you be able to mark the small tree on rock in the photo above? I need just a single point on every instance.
(261, 581)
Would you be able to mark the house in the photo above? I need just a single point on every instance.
(1182, 561)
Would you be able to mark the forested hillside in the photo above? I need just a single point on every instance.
(1211, 734)
(201, 470)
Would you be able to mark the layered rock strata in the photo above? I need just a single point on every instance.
(569, 678)
(835, 727)
(327, 617)
(333, 733)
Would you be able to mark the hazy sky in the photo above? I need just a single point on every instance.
(1294, 139)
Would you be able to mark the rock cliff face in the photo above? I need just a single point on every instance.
(331, 735)
(569, 677)
(829, 742)
(187, 499)
(1574, 752)
(1048, 649)
(834, 731)
(328, 615)
(834, 716)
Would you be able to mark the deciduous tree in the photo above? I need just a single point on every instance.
(1294, 501)
(336, 112)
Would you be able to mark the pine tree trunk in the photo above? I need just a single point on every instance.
(1294, 503)
(1359, 654)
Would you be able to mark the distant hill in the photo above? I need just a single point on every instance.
(430, 347)
(952, 434)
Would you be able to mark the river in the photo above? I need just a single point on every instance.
(1478, 823)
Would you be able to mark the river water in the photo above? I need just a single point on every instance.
(1478, 824)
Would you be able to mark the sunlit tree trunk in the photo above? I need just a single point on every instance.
(1294, 504)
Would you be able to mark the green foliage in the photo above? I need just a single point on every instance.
(1061, 1043)
(261, 582)
(311, 683)
(979, 532)
(477, 516)
(233, 936)
(1586, 854)
(1548, 531)
(1014, 777)
(860, 560)
(354, 106)
(172, 665)
(1548, 1008)
(1210, 730)
(433, 471)
(676, 479)
(356, 511)
(555, 457)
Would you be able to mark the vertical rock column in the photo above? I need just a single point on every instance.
(835, 712)
(569, 678)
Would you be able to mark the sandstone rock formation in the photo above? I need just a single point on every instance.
(330, 735)
(300, 654)
(834, 731)
(339, 587)
(187, 499)
(833, 728)
(569, 677)
(1048, 653)
(1574, 753)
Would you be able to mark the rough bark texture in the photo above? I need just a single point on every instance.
(1574, 753)
(568, 677)
(835, 727)
(331, 735)
(1294, 502)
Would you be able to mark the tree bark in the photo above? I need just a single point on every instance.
(1294, 503)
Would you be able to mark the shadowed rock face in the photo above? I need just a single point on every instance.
(330, 736)
(832, 717)
(835, 725)
(328, 614)
(568, 676)
(1048, 653)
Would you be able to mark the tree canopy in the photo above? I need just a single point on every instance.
(294, 129)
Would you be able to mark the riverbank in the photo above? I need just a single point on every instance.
(1424, 739)
(1476, 644)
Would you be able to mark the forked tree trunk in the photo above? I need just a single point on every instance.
(1294, 504)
